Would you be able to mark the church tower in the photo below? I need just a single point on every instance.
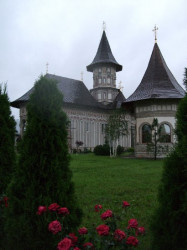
(157, 96)
(104, 68)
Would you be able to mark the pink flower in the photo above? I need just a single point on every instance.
(103, 230)
(97, 207)
(106, 215)
(119, 235)
(76, 248)
(131, 240)
(54, 227)
(132, 223)
(125, 204)
(41, 210)
(88, 244)
(140, 230)
(63, 210)
(73, 238)
(83, 230)
(64, 244)
(53, 207)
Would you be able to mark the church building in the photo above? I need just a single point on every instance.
(157, 96)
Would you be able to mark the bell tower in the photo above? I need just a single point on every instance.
(104, 68)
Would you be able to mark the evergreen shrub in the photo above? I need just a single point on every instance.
(7, 152)
(42, 175)
(120, 150)
(169, 221)
(7, 140)
(102, 150)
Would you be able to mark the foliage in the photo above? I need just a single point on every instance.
(169, 221)
(86, 150)
(104, 236)
(7, 140)
(117, 126)
(130, 150)
(102, 150)
(79, 143)
(120, 150)
(43, 174)
(154, 146)
(7, 152)
(185, 78)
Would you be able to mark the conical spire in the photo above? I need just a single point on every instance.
(104, 55)
(158, 81)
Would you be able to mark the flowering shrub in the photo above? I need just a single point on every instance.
(104, 236)
(125, 204)
(103, 230)
(55, 227)
(106, 215)
(4, 201)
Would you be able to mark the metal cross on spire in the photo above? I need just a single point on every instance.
(155, 30)
(120, 86)
(47, 64)
(104, 26)
(81, 76)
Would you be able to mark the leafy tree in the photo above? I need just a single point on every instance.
(117, 125)
(7, 152)
(169, 222)
(155, 145)
(43, 176)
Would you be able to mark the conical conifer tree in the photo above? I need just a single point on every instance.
(7, 140)
(43, 176)
(7, 152)
(169, 222)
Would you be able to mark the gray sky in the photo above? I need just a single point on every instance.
(66, 34)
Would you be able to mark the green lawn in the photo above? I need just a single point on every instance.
(109, 181)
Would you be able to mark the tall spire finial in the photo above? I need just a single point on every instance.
(120, 87)
(47, 64)
(81, 76)
(104, 26)
(155, 30)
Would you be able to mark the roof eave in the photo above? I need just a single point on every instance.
(91, 67)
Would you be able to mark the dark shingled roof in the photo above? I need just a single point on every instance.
(158, 81)
(104, 55)
(120, 98)
(74, 92)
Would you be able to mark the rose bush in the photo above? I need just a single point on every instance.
(54, 227)
(4, 201)
(104, 236)
(106, 215)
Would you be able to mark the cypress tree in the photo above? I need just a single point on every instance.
(43, 176)
(7, 152)
(169, 221)
(7, 137)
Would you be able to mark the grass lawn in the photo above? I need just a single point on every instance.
(109, 181)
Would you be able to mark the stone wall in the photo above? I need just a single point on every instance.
(87, 126)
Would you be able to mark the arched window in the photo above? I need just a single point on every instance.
(164, 133)
(146, 133)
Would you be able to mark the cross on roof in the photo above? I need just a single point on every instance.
(81, 76)
(155, 30)
(104, 26)
(47, 64)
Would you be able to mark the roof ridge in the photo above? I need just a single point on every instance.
(67, 78)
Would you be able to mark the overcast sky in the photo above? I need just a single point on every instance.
(66, 34)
